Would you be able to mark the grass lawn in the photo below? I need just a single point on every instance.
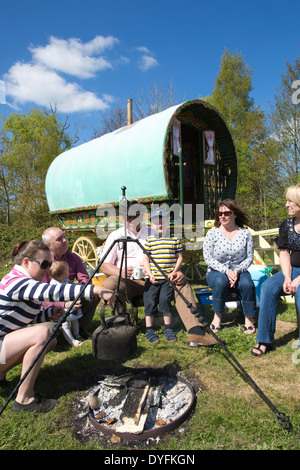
(229, 414)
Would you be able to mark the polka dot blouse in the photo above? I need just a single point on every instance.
(224, 254)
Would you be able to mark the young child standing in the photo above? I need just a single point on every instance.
(59, 271)
(167, 253)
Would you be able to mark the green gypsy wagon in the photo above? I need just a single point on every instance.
(182, 155)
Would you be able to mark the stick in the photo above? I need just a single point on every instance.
(139, 410)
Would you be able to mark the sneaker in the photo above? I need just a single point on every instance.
(170, 335)
(76, 343)
(40, 404)
(152, 337)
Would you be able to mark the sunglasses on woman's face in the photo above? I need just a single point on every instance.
(44, 264)
(225, 213)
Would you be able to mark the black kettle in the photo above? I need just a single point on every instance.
(114, 339)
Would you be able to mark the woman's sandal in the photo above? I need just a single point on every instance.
(248, 330)
(152, 337)
(170, 335)
(258, 348)
(215, 329)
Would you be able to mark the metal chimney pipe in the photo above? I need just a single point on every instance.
(129, 112)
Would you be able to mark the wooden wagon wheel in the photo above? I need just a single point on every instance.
(193, 268)
(87, 250)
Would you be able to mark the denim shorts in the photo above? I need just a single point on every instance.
(160, 294)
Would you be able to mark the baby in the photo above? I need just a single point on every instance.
(59, 271)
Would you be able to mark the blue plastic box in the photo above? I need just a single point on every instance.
(204, 296)
(259, 274)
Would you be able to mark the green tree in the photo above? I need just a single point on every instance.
(231, 92)
(285, 124)
(29, 143)
(259, 188)
(257, 152)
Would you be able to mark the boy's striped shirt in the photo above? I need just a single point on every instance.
(163, 251)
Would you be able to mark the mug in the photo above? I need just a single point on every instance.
(137, 272)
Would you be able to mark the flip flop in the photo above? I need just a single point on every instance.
(250, 329)
(215, 329)
(262, 353)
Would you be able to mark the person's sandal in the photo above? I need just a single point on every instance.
(249, 330)
(151, 337)
(261, 352)
(215, 329)
(170, 335)
(40, 404)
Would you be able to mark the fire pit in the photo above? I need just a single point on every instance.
(139, 405)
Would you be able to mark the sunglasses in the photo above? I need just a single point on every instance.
(44, 264)
(225, 213)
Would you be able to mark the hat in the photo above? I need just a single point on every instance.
(158, 213)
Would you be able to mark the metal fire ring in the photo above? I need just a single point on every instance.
(150, 433)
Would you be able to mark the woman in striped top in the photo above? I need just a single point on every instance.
(21, 294)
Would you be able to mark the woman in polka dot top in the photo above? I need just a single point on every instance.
(228, 251)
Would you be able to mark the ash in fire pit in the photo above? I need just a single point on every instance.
(137, 406)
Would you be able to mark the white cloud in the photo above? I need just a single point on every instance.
(34, 83)
(43, 80)
(143, 49)
(73, 57)
(2, 92)
(147, 62)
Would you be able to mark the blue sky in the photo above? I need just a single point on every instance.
(85, 57)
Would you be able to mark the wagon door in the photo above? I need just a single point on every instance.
(184, 174)
(203, 178)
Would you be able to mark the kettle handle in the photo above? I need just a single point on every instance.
(102, 314)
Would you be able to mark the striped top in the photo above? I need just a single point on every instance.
(163, 251)
(21, 297)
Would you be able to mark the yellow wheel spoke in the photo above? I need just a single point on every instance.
(86, 249)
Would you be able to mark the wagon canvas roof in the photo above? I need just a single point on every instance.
(133, 156)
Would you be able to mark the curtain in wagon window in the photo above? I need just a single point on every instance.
(210, 155)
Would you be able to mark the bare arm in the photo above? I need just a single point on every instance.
(178, 264)
(289, 286)
(147, 270)
(112, 270)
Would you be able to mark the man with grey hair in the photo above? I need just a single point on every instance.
(57, 241)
